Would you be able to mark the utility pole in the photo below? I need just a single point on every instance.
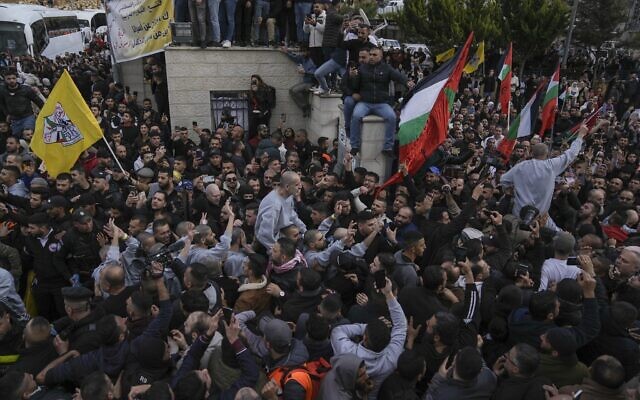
(567, 43)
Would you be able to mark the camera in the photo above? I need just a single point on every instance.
(163, 257)
(528, 214)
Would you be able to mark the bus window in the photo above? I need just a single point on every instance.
(40, 39)
(60, 26)
(12, 39)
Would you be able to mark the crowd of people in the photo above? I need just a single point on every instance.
(245, 262)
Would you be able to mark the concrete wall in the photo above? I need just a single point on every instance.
(131, 73)
(193, 73)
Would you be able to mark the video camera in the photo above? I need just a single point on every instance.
(164, 257)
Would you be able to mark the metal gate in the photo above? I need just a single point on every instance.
(230, 108)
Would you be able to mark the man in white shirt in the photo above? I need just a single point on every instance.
(556, 269)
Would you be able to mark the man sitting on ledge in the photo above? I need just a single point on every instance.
(371, 82)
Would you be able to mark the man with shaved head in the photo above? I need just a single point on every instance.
(277, 210)
(533, 180)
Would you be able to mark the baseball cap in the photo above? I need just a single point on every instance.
(56, 201)
(276, 332)
(80, 215)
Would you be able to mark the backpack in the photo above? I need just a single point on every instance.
(309, 375)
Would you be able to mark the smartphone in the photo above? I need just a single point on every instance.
(283, 117)
(194, 123)
(572, 261)
(133, 190)
(227, 313)
(380, 277)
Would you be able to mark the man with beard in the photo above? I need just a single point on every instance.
(367, 223)
(204, 238)
(588, 215)
(516, 374)
(277, 210)
(165, 184)
(15, 103)
(347, 379)
(445, 332)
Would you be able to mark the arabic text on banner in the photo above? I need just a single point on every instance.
(138, 27)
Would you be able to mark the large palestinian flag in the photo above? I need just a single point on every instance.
(425, 113)
(523, 125)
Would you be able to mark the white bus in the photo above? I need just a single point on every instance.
(37, 30)
(91, 20)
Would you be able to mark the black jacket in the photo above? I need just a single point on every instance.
(301, 302)
(33, 359)
(372, 82)
(51, 271)
(17, 102)
(83, 334)
(80, 251)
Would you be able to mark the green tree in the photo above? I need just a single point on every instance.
(533, 25)
(446, 23)
(597, 20)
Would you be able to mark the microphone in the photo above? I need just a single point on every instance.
(177, 246)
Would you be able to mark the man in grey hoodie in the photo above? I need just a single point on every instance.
(347, 380)
(379, 348)
(405, 273)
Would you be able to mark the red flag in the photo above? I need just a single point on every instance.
(505, 82)
(436, 127)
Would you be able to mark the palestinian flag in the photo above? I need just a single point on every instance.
(505, 82)
(590, 121)
(523, 124)
(426, 111)
(550, 103)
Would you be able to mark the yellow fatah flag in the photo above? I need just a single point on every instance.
(476, 60)
(445, 55)
(65, 127)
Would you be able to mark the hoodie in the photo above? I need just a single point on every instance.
(340, 382)
(379, 365)
(405, 272)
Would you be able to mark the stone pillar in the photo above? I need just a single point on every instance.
(371, 156)
(325, 113)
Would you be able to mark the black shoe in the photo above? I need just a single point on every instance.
(216, 44)
(203, 44)
(388, 153)
(354, 151)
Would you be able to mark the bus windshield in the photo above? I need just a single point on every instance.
(60, 26)
(12, 39)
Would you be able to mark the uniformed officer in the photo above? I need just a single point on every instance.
(80, 248)
(51, 272)
(78, 328)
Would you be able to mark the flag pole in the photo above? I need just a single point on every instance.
(114, 155)
(508, 114)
